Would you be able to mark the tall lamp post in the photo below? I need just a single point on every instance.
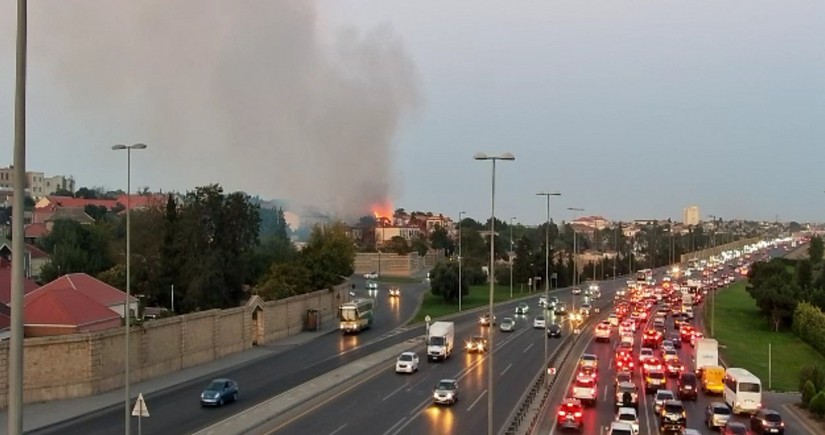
(575, 211)
(460, 217)
(547, 196)
(510, 256)
(494, 159)
(127, 312)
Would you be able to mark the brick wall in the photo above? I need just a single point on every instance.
(79, 365)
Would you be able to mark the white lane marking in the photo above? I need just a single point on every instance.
(477, 399)
(393, 393)
(505, 370)
(394, 426)
(528, 348)
(605, 393)
(339, 429)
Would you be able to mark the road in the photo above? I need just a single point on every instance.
(389, 403)
(177, 410)
(598, 418)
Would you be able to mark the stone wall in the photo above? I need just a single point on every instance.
(392, 264)
(79, 365)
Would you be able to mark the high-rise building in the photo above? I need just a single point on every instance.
(690, 215)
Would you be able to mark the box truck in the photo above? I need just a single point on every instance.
(440, 340)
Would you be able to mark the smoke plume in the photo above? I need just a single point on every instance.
(249, 94)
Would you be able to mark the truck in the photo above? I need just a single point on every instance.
(687, 299)
(707, 353)
(440, 340)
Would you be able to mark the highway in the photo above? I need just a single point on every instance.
(389, 403)
(598, 418)
(177, 410)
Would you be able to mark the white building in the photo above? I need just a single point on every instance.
(690, 215)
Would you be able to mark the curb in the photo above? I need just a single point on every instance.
(807, 422)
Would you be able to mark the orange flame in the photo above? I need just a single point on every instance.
(382, 211)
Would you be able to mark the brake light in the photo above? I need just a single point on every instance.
(577, 414)
(562, 413)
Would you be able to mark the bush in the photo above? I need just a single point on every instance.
(808, 392)
(814, 374)
(809, 325)
(817, 404)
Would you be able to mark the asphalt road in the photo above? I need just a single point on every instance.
(389, 403)
(177, 409)
(597, 419)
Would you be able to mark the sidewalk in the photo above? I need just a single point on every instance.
(40, 415)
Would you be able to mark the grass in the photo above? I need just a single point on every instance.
(398, 279)
(745, 334)
(435, 307)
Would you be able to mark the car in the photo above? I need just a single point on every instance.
(652, 339)
(672, 416)
(371, 275)
(685, 331)
(687, 386)
(477, 344)
(588, 359)
(484, 320)
(645, 353)
(522, 308)
(539, 322)
(670, 354)
(624, 362)
(570, 414)
(446, 392)
(560, 310)
(584, 389)
(627, 395)
(734, 428)
(625, 345)
(654, 380)
(602, 332)
(395, 291)
(667, 345)
(673, 367)
(660, 398)
(675, 339)
(585, 309)
(576, 290)
(620, 428)
(372, 285)
(407, 362)
(587, 372)
(628, 415)
(717, 415)
(696, 336)
(689, 431)
(219, 392)
(507, 325)
(613, 319)
(767, 421)
(622, 376)
(553, 330)
(627, 338)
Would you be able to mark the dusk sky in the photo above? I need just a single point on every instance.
(630, 109)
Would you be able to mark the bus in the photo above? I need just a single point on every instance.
(356, 316)
(743, 391)
(644, 275)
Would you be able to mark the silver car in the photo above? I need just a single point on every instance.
(717, 415)
(507, 325)
(446, 392)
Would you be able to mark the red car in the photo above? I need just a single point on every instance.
(624, 362)
(570, 415)
(673, 368)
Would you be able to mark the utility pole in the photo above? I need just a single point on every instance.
(460, 260)
(616, 248)
(510, 257)
(546, 273)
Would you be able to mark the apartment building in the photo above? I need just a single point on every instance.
(37, 183)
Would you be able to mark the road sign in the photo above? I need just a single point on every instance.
(427, 318)
(551, 371)
(140, 409)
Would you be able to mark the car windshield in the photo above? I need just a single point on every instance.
(627, 417)
(775, 418)
(627, 388)
(405, 357)
(721, 410)
(216, 385)
(585, 383)
(621, 432)
(664, 395)
(436, 341)
(673, 408)
(445, 385)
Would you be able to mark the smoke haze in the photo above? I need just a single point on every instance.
(248, 94)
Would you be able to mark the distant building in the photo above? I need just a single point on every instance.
(690, 215)
(37, 184)
(592, 222)
(384, 234)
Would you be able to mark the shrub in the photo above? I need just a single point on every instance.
(809, 325)
(817, 404)
(808, 392)
(814, 374)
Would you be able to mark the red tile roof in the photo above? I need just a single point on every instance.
(93, 288)
(36, 230)
(69, 202)
(5, 284)
(65, 307)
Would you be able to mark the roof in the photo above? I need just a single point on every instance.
(75, 214)
(5, 284)
(32, 250)
(64, 306)
(96, 289)
(69, 202)
(34, 231)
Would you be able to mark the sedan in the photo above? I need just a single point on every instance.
(576, 290)
(407, 362)
(539, 322)
(628, 415)
(219, 391)
(554, 330)
(508, 325)
(522, 308)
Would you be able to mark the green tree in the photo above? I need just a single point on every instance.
(420, 245)
(87, 193)
(776, 297)
(63, 192)
(285, 280)
(817, 404)
(444, 281)
(440, 239)
(522, 269)
(815, 250)
(329, 256)
(808, 392)
(96, 212)
(398, 245)
(804, 274)
(73, 248)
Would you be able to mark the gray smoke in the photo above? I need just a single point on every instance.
(245, 93)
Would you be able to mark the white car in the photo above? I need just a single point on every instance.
(407, 362)
(395, 291)
(628, 415)
(603, 332)
(576, 290)
(613, 319)
(372, 285)
(370, 275)
(539, 322)
(628, 338)
(620, 428)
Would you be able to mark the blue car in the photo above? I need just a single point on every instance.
(219, 391)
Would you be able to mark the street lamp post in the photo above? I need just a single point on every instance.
(547, 196)
(127, 312)
(493, 158)
(575, 211)
(460, 215)
(510, 256)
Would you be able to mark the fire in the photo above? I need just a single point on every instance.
(382, 211)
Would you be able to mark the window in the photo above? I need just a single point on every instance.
(749, 387)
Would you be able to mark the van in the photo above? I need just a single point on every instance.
(713, 379)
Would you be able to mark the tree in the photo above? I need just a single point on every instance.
(285, 280)
(776, 297)
(87, 193)
(522, 271)
(329, 256)
(398, 245)
(96, 212)
(440, 239)
(444, 281)
(420, 245)
(63, 192)
(73, 248)
(815, 250)
(804, 274)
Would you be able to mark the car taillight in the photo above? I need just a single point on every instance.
(562, 413)
(577, 414)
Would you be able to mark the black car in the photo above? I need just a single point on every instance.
(554, 330)
(676, 339)
(560, 310)
(687, 385)
(767, 421)
(673, 417)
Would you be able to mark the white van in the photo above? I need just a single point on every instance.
(743, 391)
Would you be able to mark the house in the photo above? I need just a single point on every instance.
(97, 290)
(5, 294)
(384, 234)
(592, 222)
(62, 311)
(34, 232)
(35, 258)
(47, 206)
(433, 222)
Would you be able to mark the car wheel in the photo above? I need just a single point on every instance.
(235, 397)
(220, 401)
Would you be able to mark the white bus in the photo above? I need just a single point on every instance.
(356, 316)
(743, 391)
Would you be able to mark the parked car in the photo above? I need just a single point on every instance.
(219, 392)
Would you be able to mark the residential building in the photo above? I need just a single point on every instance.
(37, 184)
(691, 216)
(592, 222)
(385, 233)
(34, 258)
(99, 291)
(62, 311)
(433, 222)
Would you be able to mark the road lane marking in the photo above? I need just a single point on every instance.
(339, 429)
(393, 393)
(483, 393)
(505, 370)
(528, 348)
(605, 393)
(393, 426)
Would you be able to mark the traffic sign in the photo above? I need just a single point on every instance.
(551, 371)
(140, 409)
(427, 318)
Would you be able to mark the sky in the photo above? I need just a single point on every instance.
(629, 109)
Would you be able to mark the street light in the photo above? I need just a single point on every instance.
(460, 214)
(510, 256)
(575, 211)
(127, 314)
(492, 275)
(547, 196)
